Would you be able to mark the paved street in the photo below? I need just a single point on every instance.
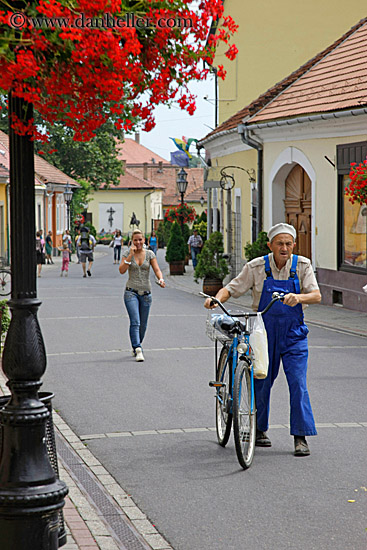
(151, 424)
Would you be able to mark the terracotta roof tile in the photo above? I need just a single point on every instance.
(45, 172)
(134, 153)
(129, 180)
(337, 81)
(4, 172)
(349, 58)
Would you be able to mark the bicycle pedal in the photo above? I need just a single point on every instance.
(214, 384)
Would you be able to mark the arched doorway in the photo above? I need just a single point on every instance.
(298, 204)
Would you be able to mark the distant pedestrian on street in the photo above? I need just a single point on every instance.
(49, 246)
(77, 247)
(86, 243)
(117, 245)
(285, 272)
(64, 249)
(40, 252)
(195, 243)
(153, 242)
(138, 297)
(66, 238)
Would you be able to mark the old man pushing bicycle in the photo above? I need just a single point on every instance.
(281, 271)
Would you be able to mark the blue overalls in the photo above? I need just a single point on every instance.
(287, 341)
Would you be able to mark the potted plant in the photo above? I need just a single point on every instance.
(175, 254)
(258, 247)
(212, 267)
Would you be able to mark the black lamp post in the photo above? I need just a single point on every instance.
(31, 496)
(181, 181)
(68, 197)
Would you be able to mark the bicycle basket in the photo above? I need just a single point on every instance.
(216, 324)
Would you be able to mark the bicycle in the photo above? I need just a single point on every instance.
(5, 281)
(234, 383)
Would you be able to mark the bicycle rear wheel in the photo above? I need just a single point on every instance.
(244, 423)
(5, 282)
(223, 414)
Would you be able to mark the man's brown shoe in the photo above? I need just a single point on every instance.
(300, 446)
(262, 439)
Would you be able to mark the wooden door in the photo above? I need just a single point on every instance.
(298, 208)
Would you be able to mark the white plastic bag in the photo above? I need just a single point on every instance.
(259, 345)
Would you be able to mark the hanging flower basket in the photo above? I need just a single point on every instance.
(357, 188)
(176, 213)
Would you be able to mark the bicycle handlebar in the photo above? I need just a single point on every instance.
(275, 297)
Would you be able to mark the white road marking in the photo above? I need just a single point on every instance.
(175, 431)
(127, 350)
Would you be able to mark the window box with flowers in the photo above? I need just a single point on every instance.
(355, 216)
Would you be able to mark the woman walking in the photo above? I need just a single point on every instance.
(137, 297)
(153, 242)
(40, 246)
(117, 244)
(49, 245)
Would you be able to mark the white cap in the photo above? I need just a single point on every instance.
(281, 228)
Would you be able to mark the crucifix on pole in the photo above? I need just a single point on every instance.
(111, 212)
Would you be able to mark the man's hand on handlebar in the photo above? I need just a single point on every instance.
(291, 299)
(210, 303)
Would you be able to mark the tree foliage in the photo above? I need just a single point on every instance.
(258, 247)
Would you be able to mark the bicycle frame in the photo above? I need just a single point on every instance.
(232, 358)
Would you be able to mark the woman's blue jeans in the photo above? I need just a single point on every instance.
(138, 310)
(117, 253)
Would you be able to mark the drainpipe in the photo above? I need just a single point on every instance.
(244, 133)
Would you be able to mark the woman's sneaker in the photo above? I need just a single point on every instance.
(139, 354)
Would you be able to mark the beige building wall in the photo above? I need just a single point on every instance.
(274, 39)
(139, 201)
(324, 192)
(242, 188)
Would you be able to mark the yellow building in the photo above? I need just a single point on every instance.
(113, 208)
(274, 39)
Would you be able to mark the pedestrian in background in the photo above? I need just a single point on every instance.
(64, 249)
(195, 243)
(49, 246)
(77, 247)
(153, 242)
(66, 238)
(86, 243)
(40, 247)
(138, 293)
(117, 245)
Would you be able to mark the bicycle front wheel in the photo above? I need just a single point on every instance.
(5, 283)
(244, 422)
(223, 399)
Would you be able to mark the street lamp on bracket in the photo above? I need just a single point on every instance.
(68, 197)
(181, 181)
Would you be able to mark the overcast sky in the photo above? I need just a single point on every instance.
(176, 123)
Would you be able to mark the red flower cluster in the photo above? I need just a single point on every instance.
(176, 213)
(357, 189)
(84, 76)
